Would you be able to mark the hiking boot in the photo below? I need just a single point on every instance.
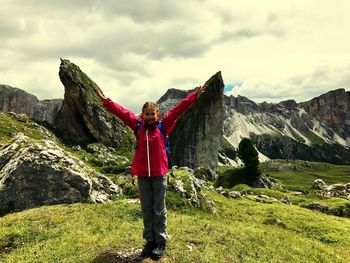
(148, 248)
(159, 250)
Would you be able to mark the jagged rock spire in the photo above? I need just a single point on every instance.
(82, 118)
(196, 136)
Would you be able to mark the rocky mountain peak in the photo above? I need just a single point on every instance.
(333, 108)
(241, 104)
(82, 118)
(196, 136)
(19, 101)
(171, 98)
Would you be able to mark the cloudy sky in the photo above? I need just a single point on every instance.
(135, 50)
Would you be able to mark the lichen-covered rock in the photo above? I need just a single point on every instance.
(342, 211)
(38, 172)
(235, 194)
(262, 182)
(190, 188)
(318, 184)
(82, 119)
(333, 190)
(286, 200)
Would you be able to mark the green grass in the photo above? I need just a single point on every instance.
(241, 231)
(295, 134)
(313, 137)
(294, 176)
(301, 174)
(230, 177)
(10, 126)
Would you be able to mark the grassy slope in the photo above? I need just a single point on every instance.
(301, 174)
(10, 126)
(241, 230)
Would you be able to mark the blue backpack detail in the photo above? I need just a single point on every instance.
(166, 142)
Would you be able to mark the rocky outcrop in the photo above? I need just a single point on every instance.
(262, 182)
(333, 108)
(82, 119)
(38, 172)
(19, 101)
(196, 137)
(333, 190)
(342, 211)
(189, 187)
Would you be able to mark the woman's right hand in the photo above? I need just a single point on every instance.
(100, 93)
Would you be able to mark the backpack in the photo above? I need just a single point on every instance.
(166, 142)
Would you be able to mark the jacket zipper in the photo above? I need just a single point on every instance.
(148, 160)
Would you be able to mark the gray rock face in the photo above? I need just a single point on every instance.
(334, 109)
(327, 115)
(35, 173)
(170, 99)
(19, 101)
(196, 137)
(82, 118)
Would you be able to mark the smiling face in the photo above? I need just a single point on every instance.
(150, 115)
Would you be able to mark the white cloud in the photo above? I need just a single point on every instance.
(135, 50)
(299, 87)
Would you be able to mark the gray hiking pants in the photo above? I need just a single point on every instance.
(152, 192)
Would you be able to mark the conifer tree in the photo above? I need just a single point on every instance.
(250, 157)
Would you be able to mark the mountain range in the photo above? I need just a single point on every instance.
(314, 130)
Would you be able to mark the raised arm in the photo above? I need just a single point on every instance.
(128, 117)
(171, 116)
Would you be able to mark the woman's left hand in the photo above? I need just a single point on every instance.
(201, 89)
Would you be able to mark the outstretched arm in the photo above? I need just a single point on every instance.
(128, 117)
(170, 117)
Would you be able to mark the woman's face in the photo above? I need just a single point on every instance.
(150, 115)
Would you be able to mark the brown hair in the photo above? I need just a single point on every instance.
(150, 104)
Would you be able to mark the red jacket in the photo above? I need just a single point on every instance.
(150, 160)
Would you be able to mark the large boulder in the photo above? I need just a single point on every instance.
(82, 119)
(39, 172)
(196, 137)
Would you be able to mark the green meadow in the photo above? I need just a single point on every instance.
(241, 230)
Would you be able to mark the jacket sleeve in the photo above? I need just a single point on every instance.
(169, 119)
(128, 117)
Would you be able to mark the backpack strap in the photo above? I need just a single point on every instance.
(167, 147)
(136, 132)
(138, 126)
